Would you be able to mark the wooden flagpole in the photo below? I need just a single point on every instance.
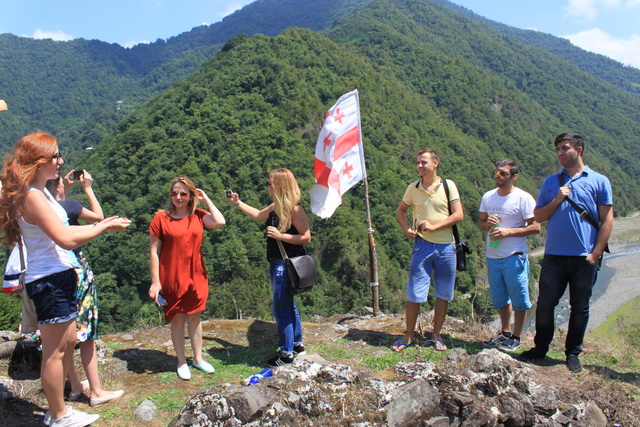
(373, 256)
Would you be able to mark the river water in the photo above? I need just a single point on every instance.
(605, 275)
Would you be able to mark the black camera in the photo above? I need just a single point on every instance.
(77, 174)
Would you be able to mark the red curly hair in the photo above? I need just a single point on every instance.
(20, 168)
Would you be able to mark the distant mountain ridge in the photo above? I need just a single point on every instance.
(427, 76)
(82, 110)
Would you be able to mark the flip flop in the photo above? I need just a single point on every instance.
(398, 346)
(438, 345)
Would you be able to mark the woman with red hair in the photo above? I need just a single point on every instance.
(28, 209)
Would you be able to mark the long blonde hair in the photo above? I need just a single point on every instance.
(20, 168)
(286, 196)
(193, 195)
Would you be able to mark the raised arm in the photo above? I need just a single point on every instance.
(543, 213)
(96, 210)
(250, 211)
(214, 218)
(38, 211)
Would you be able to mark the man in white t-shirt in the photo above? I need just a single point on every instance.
(506, 213)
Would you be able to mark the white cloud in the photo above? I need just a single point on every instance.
(132, 43)
(58, 36)
(232, 7)
(595, 40)
(590, 9)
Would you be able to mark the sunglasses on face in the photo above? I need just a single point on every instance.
(178, 193)
(501, 173)
(56, 156)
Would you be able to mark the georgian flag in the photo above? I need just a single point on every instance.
(339, 159)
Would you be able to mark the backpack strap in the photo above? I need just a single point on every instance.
(456, 236)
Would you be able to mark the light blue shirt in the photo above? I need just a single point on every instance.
(567, 232)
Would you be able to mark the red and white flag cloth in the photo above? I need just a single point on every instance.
(339, 159)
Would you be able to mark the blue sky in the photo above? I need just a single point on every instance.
(609, 27)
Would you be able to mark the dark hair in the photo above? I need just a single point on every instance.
(52, 184)
(434, 155)
(575, 139)
(508, 163)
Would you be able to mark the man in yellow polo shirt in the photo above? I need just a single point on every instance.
(434, 251)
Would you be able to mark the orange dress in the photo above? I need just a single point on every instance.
(183, 276)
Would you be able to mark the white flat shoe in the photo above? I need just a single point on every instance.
(101, 401)
(204, 366)
(184, 373)
(75, 395)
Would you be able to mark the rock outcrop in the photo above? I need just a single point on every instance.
(487, 389)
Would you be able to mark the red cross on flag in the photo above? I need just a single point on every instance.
(339, 159)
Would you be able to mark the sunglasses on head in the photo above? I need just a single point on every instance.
(178, 193)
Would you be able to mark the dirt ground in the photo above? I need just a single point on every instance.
(150, 372)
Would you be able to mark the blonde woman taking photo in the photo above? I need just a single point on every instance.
(286, 220)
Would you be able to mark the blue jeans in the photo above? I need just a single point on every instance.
(557, 271)
(284, 309)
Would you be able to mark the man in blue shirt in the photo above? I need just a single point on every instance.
(573, 247)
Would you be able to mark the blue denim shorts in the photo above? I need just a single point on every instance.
(54, 297)
(431, 259)
(509, 281)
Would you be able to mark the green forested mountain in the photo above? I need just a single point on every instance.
(72, 88)
(620, 75)
(427, 76)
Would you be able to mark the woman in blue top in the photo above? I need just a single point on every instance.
(87, 293)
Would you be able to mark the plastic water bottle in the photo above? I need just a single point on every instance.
(255, 379)
(494, 244)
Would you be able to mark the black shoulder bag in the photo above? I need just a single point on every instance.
(301, 271)
(462, 247)
(585, 215)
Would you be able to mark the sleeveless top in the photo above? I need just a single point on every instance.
(44, 256)
(273, 252)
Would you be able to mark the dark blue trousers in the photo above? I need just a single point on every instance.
(557, 272)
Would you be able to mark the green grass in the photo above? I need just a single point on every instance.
(621, 333)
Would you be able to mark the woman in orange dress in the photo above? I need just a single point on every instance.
(177, 267)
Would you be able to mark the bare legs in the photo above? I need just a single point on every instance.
(194, 328)
(58, 340)
(440, 312)
(411, 315)
(519, 318)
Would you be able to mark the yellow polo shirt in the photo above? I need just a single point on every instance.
(433, 207)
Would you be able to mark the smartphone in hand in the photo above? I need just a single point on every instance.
(161, 301)
(77, 174)
(227, 194)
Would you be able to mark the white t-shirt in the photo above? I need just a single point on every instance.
(514, 208)
(44, 257)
